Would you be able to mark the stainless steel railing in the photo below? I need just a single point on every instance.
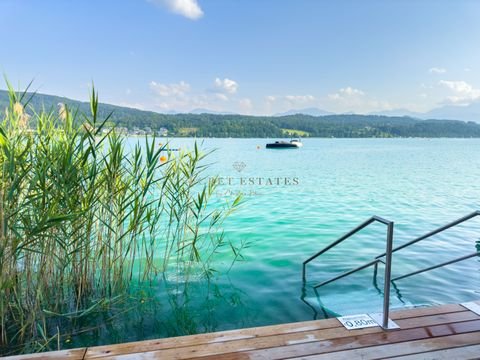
(387, 256)
(428, 235)
(387, 262)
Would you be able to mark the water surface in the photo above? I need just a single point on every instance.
(298, 201)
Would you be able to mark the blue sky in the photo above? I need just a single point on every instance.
(252, 57)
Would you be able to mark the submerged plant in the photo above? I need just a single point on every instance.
(82, 217)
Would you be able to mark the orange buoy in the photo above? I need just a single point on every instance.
(163, 159)
(258, 147)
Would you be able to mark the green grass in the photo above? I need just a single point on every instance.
(187, 131)
(293, 132)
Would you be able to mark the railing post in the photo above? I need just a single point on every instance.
(388, 274)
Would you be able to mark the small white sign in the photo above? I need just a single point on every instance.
(353, 322)
(472, 306)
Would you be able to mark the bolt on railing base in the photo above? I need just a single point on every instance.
(378, 318)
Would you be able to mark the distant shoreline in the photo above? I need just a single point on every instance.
(306, 138)
(339, 126)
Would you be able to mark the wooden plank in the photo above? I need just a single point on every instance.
(73, 354)
(426, 311)
(418, 349)
(462, 352)
(437, 319)
(278, 347)
(333, 345)
(252, 333)
(300, 328)
(237, 345)
(217, 337)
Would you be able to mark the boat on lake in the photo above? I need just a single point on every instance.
(294, 143)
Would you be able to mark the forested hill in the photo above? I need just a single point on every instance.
(214, 125)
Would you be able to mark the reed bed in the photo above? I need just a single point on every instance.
(82, 217)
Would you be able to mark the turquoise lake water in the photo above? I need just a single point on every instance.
(298, 201)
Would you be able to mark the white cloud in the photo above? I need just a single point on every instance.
(463, 92)
(245, 105)
(437, 70)
(180, 96)
(299, 98)
(290, 100)
(351, 99)
(351, 91)
(132, 105)
(467, 69)
(345, 93)
(279, 103)
(176, 96)
(188, 8)
(221, 96)
(185, 104)
(269, 104)
(457, 86)
(166, 90)
(226, 85)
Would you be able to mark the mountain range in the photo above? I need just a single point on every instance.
(307, 111)
(469, 112)
(447, 112)
(204, 123)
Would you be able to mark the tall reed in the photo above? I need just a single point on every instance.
(81, 218)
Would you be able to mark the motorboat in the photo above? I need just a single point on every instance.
(292, 144)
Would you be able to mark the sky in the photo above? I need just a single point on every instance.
(257, 57)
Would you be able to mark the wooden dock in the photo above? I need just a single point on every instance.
(440, 332)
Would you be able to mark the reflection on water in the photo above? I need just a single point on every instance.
(164, 310)
(319, 310)
(202, 307)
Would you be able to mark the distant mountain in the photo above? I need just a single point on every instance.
(50, 102)
(466, 113)
(448, 112)
(208, 111)
(242, 126)
(399, 112)
(306, 111)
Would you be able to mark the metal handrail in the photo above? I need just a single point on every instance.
(388, 257)
(431, 233)
(387, 262)
(343, 238)
(438, 266)
(434, 232)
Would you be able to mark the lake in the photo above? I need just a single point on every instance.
(295, 203)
